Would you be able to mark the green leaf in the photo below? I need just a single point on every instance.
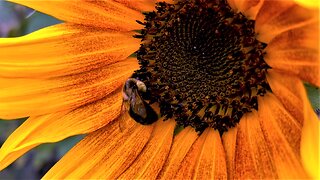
(314, 96)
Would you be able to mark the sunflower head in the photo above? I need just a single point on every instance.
(201, 63)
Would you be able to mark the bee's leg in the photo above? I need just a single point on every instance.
(120, 129)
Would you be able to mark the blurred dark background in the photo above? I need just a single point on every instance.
(17, 21)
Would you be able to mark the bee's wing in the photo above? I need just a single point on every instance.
(124, 123)
(137, 105)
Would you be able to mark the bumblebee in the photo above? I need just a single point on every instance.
(138, 108)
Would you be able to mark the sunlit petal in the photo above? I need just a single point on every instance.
(309, 3)
(58, 126)
(28, 97)
(63, 49)
(103, 13)
(310, 140)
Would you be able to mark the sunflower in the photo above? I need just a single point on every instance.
(229, 73)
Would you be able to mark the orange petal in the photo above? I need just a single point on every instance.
(55, 127)
(153, 156)
(205, 159)
(167, 1)
(250, 8)
(232, 4)
(181, 145)
(140, 5)
(188, 165)
(288, 90)
(282, 134)
(28, 97)
(252, 157)
(63, 49)
(229, 140)
(103, 14)
(297, 52)
(103, 154)
(278, 16)
(310, 140)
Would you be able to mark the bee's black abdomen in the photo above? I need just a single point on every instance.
(152, 116)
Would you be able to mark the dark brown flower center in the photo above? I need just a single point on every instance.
(201, 63)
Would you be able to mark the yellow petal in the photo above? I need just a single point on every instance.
(103, 14)
(297, 52)
(310, 140)
(250, 8)
(22, 97)
(151, 159)
(63, 49)
(55, 127)
(282, 134)
(205, 159)
(104, 154)
(181, 145)
(287, 89)
(309, 3)
(277, 16)
(252, 156)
